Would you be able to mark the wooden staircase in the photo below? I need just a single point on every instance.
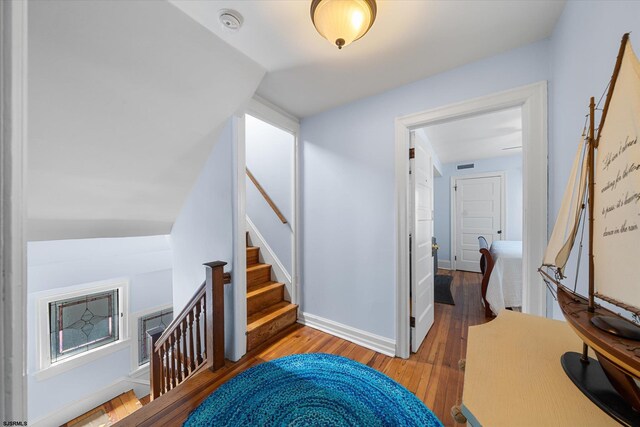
(109, 412)
(268, 313)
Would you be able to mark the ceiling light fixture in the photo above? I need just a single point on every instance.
(343, 21)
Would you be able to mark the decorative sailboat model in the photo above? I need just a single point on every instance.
(604, 191)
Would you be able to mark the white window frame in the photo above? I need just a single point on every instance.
(47, 369)
(133, 333)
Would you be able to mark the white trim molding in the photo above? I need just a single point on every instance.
(533, 101)
(239, 270)
(272, 114)
(366, 339)
(13, 161)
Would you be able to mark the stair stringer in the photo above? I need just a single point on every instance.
(268, 256)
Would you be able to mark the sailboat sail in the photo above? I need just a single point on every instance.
(564, 232)
(617, 191)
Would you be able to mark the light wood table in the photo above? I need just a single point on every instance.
(513, 375)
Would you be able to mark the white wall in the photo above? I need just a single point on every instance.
(203, 231)
(511, 165)
(145, 261)
(269, 157)
(586, 33)
(348, 206)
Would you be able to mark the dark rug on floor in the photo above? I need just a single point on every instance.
(443, 289)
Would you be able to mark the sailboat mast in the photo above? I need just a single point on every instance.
(612, 85)
(592, 187)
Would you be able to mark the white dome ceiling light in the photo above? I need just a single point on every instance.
(343, 21)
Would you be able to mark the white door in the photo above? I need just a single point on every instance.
(421, 269)
(478, 212)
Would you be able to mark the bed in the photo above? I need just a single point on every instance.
(501, 266)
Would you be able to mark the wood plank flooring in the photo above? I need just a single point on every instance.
(432, 373)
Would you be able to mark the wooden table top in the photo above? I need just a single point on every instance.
(513, 375)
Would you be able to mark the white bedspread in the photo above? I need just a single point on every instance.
(505, 283)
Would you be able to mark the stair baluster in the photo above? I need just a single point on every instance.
(172, 358)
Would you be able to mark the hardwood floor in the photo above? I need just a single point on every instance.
(432, 373)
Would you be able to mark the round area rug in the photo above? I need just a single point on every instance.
(312, 390)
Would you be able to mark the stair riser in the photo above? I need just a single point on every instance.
(264, 300)
(258, 276)
(268, 330)
(253, 256)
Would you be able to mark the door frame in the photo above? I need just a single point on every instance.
(453, 210)
(268, 113)
(13, 195)
(533, 101)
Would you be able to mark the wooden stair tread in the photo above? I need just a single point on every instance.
(258, 266)
(269, 314)
(115, 409)
(262, 287)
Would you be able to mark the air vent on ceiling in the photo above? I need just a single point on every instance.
(467, 166)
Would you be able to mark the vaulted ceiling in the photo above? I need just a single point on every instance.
(409, 40)
(126, 99)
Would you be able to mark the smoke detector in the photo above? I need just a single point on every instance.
(231, 20)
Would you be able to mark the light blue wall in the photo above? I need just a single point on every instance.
(583, 51)
(511, 165)
(145, 261)
(203, 231)
(269, 157)
(348, 207)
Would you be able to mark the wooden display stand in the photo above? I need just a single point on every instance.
(513, 375)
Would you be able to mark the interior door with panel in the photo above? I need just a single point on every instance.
(478, 212)
(421, 217)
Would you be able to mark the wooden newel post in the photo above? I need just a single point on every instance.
(214, 301)
(155, 363)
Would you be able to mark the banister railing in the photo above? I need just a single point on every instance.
(194, 339)
(266, 197)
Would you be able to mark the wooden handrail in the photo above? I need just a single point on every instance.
(199, 294)
(178, 352)
(266, 196)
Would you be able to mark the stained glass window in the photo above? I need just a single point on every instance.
(83, 323)
(160, 318)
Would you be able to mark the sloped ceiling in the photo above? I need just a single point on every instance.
(126, 99)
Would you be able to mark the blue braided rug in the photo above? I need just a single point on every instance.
(312, 390)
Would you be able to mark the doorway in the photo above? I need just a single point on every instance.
(266, 208)
(532, 99)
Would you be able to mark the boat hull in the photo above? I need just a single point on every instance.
(618, 357)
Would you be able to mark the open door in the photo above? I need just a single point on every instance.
(421, 229)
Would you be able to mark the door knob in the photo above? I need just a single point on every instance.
(499, 231)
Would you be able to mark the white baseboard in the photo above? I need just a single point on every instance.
(366, 339)
(444, 264)
(79, 407)
(269, 257)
